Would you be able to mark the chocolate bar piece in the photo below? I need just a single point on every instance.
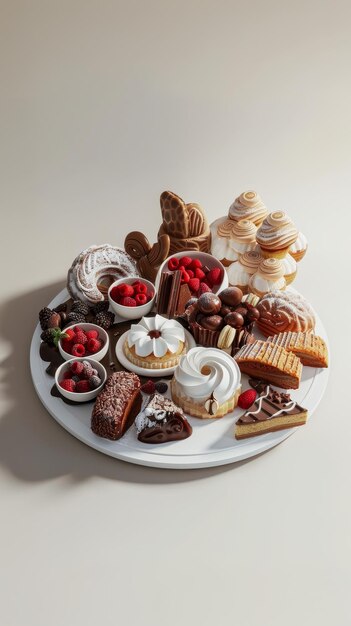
(172, 294)
(117, 405)
(162, 421)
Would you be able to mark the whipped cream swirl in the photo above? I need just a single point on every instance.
(155, 335)
(205, 372)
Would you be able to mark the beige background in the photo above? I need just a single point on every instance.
(104, 105)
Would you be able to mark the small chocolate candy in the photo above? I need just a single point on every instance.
(54, 321)
(209, 303)
(225, 310)
(253, 314)
(231, 296)
(192, 300)
(242, 310)
(234, 319)
(212, 322)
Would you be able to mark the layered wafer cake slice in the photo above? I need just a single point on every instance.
(311, 349)
(270, 362)
(271, 411)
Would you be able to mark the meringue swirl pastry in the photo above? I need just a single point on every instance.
(248, 206)
(268, 277)
(239, 273)
(299, 247)
(276, 234)
(283, 311)
(95, 269)
(231, 238)
(155, 343)
(290, 269)
(206, 383)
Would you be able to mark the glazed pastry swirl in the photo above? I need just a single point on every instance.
(277, 231)
(205, 372)
(248, 206)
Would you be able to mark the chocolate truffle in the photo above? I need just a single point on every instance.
(209, 303)
(253, 314)
(225, 310)
(234, 319)
(231, 296)
(212, 322)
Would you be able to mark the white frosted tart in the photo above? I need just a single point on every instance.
(155, 343)
(206, 383)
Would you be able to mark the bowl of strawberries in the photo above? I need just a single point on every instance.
(201, 271)
(80, 380)
(84, 340)
(132, 297)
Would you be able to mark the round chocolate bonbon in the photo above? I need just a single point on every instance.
(253, 314)
(234, 319)
(209, 303)
(224, 310)
(231, 296)
(212, 322)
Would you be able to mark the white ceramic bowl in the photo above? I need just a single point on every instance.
(132, 312)
(97, 356)
(206, 259)
(87, 395)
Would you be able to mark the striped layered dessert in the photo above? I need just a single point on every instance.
(270, 362)
(309, 348)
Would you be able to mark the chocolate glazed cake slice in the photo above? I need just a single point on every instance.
(162, 421)
(117, 405)
(270, 412)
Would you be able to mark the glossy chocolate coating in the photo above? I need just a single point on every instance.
(209, 303)
(234, 319)
(212, 322)
(231, 296)
(242, 310)
(225, 309)
(253, 314)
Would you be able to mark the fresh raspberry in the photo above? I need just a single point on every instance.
(83, 386)
(247, 398)
(67, 375)
(140, 288)
(128, 301)
(203, 289)
(93, 345)
(214, 276)
(185, 277)
(88, 369)
(94, 382)
(77, 367)
(68, 384)
(78, 329)
(194, 285)
(140, 299)
(78, 349)
(195, 264)
(81, 338)
(185, 261)
(126, 290)
(70, 334)
(150, 295)
(190, 272)
(115, 293)
(173, 263)
(67, 345)
(148, 387)
(161, 387)
(199, 273)
(92, 334)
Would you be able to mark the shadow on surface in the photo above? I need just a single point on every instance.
(33, 447)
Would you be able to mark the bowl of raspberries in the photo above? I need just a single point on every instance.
(84, 340)
(80, 380)
(200, 271)
(131, 298)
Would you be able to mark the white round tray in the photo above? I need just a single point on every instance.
(212, 442)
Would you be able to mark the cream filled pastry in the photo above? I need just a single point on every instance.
(155, 343)
(268, 277)
(230, 238)
(248, 206)
(206, 383)
(299, 248)
(276, 234)
(239, 273)
(290, 268)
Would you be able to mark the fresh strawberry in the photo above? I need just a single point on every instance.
(140, 299)
(83, 386)
(195, 264)
(185, 277)
(126, 290)
(199, 273)
(247, 398)
(77, 367)
(78, 349)
(92, 334)
(128, 301)
(148, 387)
(185, 261)
(70, 334)
(194, 285)
(94, 345)
(203, 289)
(68, 384)
(190, 272)
(140, 288)
(173, 263)
(214, 276)
(81, 338)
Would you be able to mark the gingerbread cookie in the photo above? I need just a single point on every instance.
(186, 224)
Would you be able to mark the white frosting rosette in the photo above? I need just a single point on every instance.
(155, 335)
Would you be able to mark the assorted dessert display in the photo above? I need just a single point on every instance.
(227, 285)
